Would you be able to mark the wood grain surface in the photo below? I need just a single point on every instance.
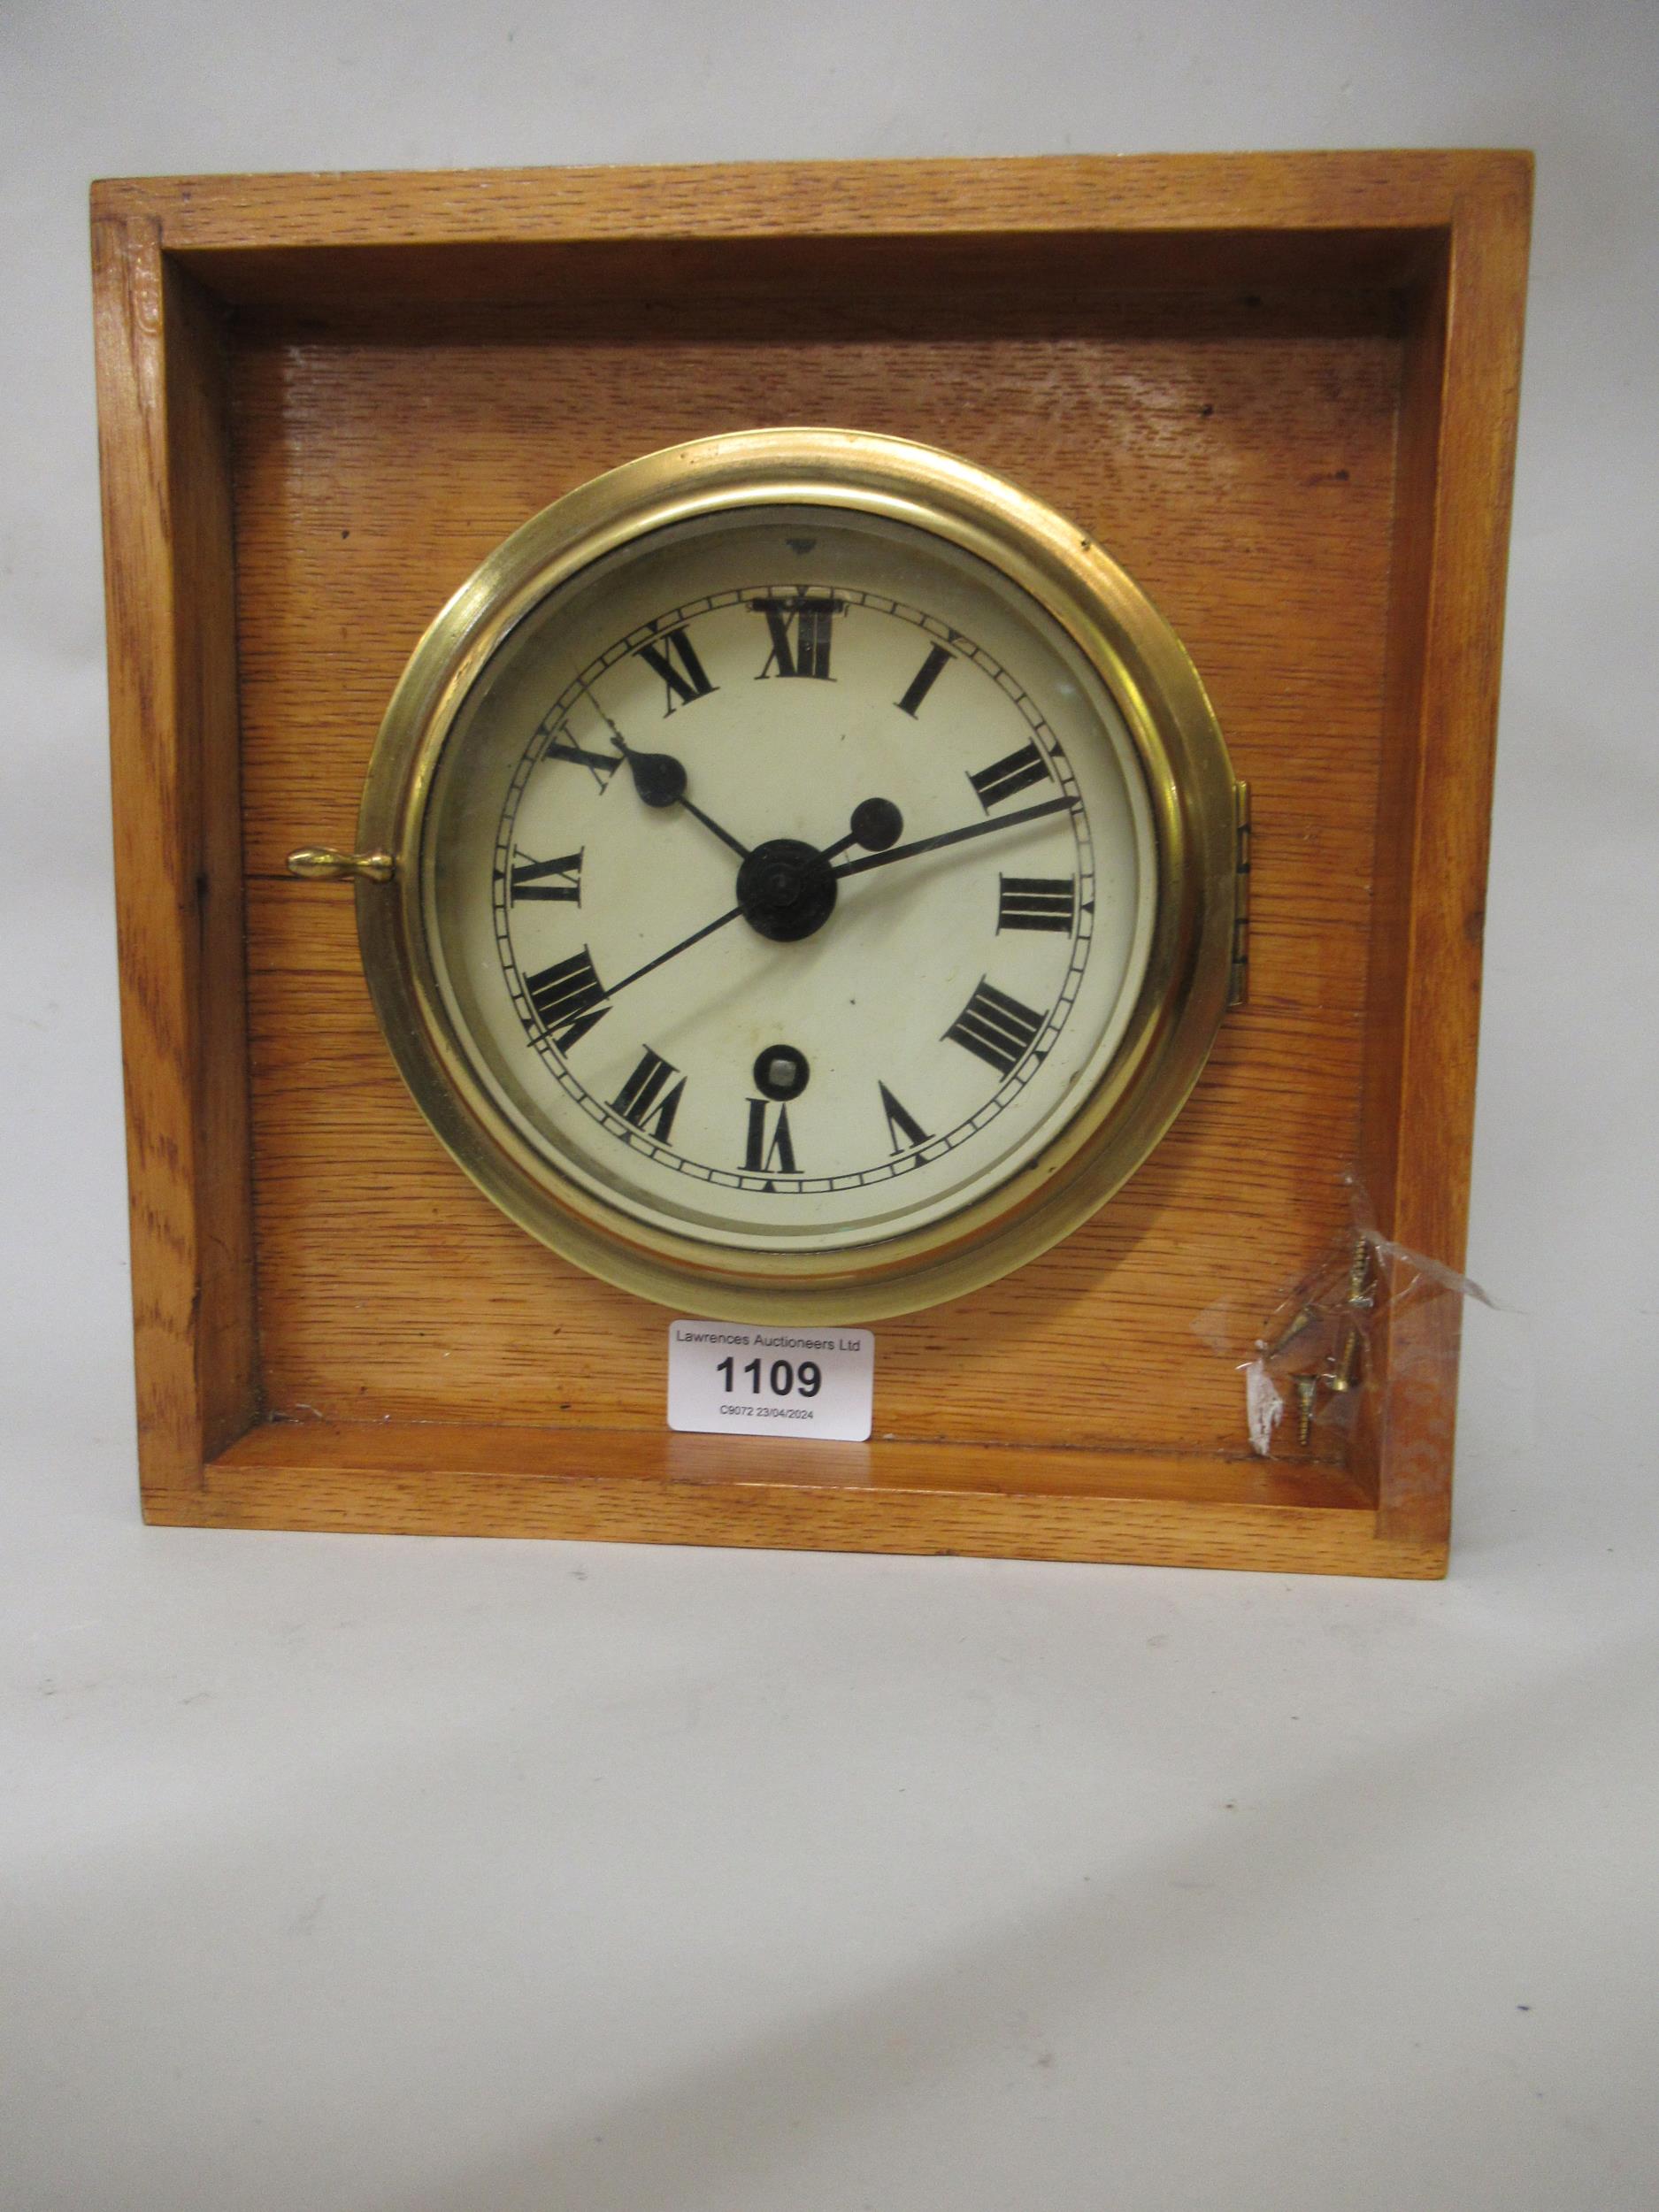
(1234, 372)
(1240, 463)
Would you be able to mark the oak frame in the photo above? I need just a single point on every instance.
(1444, 234)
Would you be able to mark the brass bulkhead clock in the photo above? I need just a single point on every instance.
(798, 876)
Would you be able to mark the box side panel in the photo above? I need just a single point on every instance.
(687, 1490)
(292, 238)
(1457, 450)
(175, 764)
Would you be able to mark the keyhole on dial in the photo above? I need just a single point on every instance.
(782, 1072)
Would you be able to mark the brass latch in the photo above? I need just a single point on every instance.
(321, 863)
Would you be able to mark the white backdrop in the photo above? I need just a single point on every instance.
(459, 1877)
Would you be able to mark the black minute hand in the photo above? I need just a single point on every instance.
(685, 945)
(954, 837)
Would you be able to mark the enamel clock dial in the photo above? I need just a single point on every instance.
(809, 876)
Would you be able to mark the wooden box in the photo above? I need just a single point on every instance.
(1280, 389)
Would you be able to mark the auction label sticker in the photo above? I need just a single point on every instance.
(725, 1379)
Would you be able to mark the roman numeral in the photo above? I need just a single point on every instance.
(1037, 903)
(996, 1027)
(1005, 777)
(560, 878)
(568, 998)
(800, 633)
(604, 765)
(683, 683)
(645, 1100)
(923, 681)
(903, 1130)
(762, 1154)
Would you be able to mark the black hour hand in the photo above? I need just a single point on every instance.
(660, 780)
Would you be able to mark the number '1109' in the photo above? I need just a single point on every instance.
(782, 1380)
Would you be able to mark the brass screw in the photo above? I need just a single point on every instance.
(1307, 1389)
(1305, 1319)
(1343, 1372)
(1359, 1290)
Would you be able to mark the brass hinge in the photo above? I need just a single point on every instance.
(1238, 975)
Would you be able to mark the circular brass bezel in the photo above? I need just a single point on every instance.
(1189, 787)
